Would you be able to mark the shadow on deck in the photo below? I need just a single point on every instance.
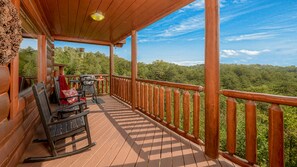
(127, 138)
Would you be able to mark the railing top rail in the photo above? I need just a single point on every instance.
(174, 85)
(262, 97)
(96, 75)
(123, 77)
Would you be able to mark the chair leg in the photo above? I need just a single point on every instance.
(88, 130)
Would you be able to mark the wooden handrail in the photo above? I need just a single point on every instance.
(268, 98)
(173, 85)
(123, 77)
(96, 75)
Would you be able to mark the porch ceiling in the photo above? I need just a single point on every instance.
(71, 18)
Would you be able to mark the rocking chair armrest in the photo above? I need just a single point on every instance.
(79, 103)
(82, 114)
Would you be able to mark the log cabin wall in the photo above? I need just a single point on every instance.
(50, 67)
(19, 120)
(15, 132)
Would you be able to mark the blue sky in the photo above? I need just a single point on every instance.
(251, 32)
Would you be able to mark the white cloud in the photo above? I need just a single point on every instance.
(188, 63)
(229, 53)
(255, 36)
(189, 25)
(198, 4)
(253, 52)
(234, 53)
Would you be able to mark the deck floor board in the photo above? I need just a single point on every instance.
(126, 138)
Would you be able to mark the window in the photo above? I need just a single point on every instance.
(28, 63)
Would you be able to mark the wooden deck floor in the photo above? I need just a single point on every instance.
(127, 138)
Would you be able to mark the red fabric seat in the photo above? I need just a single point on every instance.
(64, 86)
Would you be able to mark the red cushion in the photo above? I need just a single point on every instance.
(69, 93)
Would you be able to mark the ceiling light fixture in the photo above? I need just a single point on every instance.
(97, 16)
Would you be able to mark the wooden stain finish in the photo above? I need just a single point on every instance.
(176, 108)
(231, 125)
(133, 68)
(251, 132)
(168, 105)
(150, 99)
(146, 98)
(42, 59)
(212, 79)
(156, 101)
(173, 85)
(142, 96)
(196, 113)
(161, 103)
(186, 110)
(268, 98)
(276, 136)
(111, 69)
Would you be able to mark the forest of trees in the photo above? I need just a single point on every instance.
(254, 78)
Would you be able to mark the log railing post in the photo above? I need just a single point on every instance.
(251, 132)
(133, 69)
(212, 83)
(196, 112)
(231, 125)
(276, 136)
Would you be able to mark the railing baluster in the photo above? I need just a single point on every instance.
(231, 125)
(161, 103)
(102, 90)
(276, 136)
(138, 95)
(98, 87)
(168, 105)
(176, 108)
(156, 101)
(251, 132)
(146, 98)
(196, 112)
(186, 111)
(142, 96)
(107, 86)
(150, 99)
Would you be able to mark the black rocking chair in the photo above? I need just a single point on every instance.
(59, 130)
(67, 109)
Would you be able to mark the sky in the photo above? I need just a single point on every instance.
(251, 32)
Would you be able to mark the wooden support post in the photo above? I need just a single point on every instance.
(42, 59)
(111, 69)
(133, 68)
(212, 78)
(14, 76)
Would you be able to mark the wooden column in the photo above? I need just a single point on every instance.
(111, 69)
(133, 68)
(42, 59)
(212, 75)
(14, 76)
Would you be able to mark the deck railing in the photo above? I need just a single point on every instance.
(275, 131)
(166, 102)
(121, 88)
(102, 86)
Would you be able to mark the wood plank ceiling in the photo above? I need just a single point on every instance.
(71, 18)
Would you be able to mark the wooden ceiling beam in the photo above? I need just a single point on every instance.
(79, 40)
